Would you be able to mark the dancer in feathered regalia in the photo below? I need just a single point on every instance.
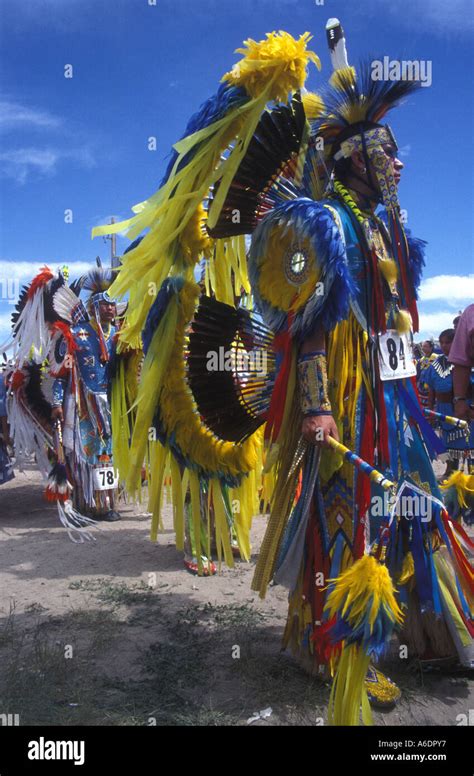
(83, 354)
(439, 379)
(336, 285)
(6, 466)
(59, 406)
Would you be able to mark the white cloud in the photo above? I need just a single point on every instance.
(12, 114)
(432, 324)
(15, 274)
(5, 329)
(23, 271)
(450, 288)
(20, 163)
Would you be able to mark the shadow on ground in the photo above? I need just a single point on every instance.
(200, 665)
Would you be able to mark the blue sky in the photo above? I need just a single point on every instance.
(141, 67)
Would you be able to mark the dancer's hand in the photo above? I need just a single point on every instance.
(318, 428)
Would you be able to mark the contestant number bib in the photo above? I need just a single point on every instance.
(395, 356)
(104, 478)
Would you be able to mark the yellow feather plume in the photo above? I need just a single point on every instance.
(464, 484)
(280, 60)
(364, 585)
(193, 240)
(403, 322)
(408, 569)
(348, 73)
(389, 270)
(313, 105)
(359, 594)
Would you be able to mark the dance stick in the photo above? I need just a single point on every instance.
(447, 419)
(359, 463)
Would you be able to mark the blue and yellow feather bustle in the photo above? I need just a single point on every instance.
(365, 611)
(158, 273)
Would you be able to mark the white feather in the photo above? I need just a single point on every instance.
(75, 523)
(65, 302)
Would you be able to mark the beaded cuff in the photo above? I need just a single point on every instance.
(313, 382)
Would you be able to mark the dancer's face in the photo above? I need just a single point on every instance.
(106, 312)
(445, 345)
(397, 166)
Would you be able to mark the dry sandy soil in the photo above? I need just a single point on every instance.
(117, 632)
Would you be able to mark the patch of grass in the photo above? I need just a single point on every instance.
(114, 593)
(35, 676)
(226, 617)
(198, 681)
(41, 680)
(6, 628)
(187, 677)
(35, 608)
(202, 717)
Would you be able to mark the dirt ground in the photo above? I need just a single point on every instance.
(117, 632)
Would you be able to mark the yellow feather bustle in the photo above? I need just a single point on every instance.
(172, 217)
(179, 413)
(273, 283)
(280, 59)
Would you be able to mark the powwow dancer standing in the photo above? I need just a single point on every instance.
(427, 349)
(6, 466)
(83, 355)
(439, 379)
(60, 383)
(460, 486)
(336, 285)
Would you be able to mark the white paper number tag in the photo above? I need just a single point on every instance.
(395, 356)
(104, 478)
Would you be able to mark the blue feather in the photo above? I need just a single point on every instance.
(170, 287)
(374, 640)
(416, 259)
(97, 279)
(308, 220)
(133, 244)
(377, 96)
(214, 108)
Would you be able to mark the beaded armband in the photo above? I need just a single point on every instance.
(313, 383)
